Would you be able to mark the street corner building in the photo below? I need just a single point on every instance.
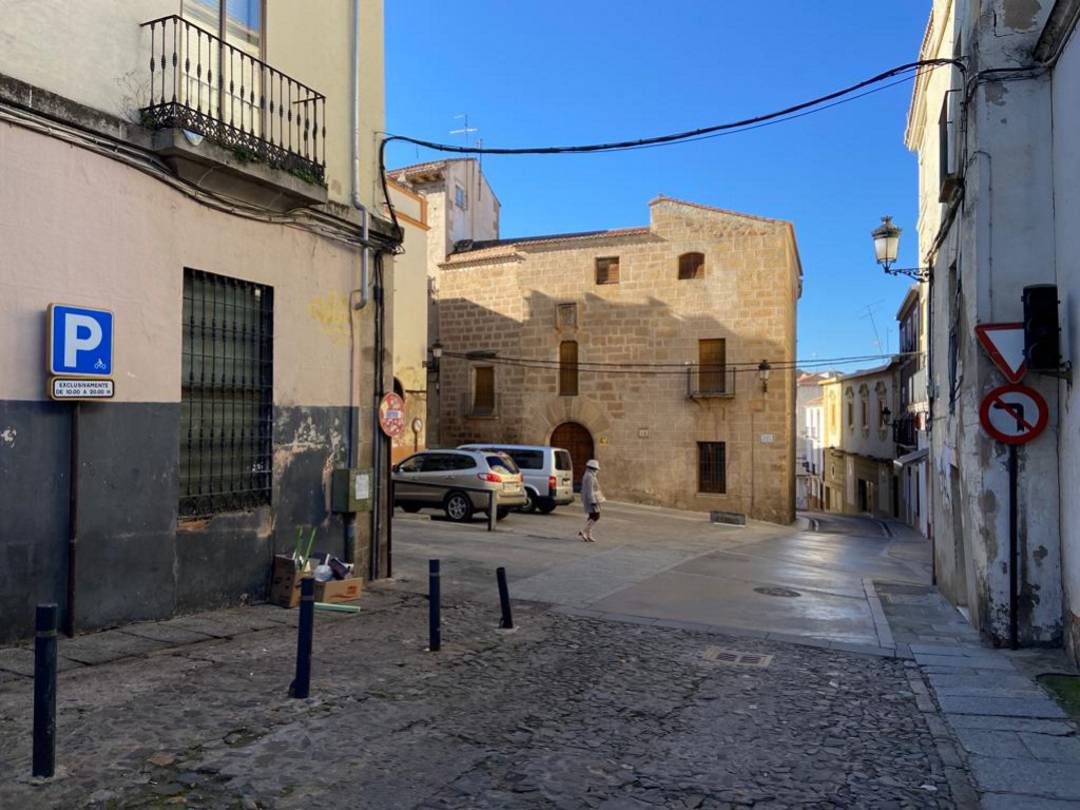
(666, 352)
(204, 172)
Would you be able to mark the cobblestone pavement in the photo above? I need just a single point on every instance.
(567, 712)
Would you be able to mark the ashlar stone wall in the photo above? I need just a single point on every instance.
(498, 307)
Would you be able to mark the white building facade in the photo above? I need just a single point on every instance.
(999, 199)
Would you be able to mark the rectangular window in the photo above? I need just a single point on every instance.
(865, 412)
(712, 471)
(460, 200)
(691, 266)
(568, 368)
(566, 316)
(712, 365)
(226, 394)
(484, 391)
(851, 415)
(607, 270)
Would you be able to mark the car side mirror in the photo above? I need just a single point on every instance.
(395, 468)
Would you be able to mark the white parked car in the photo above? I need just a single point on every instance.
(548, 473)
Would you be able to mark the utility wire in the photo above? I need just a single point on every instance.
(659, 370)
(817, 361)
(658, 140)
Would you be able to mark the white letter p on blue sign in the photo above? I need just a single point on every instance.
(80, 341)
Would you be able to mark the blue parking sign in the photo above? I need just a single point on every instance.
(80, 341)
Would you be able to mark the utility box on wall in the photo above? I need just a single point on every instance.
(350, 491)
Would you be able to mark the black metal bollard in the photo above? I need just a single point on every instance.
(507, 622)
(45, 690)
(434, 595)
(301, 686)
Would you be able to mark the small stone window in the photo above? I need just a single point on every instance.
(607, 270)
(691, 266)
(566, 316)
(461, 200)
(568, 368)
(483, 391)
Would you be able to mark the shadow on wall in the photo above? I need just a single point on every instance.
(646, 427)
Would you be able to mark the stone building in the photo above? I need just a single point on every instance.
(204, 173)
(639, 346)
(859, 459)
(439, 204)
(999, 199)
(910, 422)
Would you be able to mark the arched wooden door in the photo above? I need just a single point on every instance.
(577, 439)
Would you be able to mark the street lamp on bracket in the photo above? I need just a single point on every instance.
(886, 246)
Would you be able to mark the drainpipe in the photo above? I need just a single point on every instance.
(359, 298)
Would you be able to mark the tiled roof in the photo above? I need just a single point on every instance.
(475, 246)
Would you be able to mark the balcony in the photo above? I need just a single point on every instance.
(265, 127)
(710, 382)
(905, 431)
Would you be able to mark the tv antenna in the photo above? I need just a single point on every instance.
(465, 130)
(870, 309)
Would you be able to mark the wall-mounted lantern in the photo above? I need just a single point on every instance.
(886, 247)
(763, 370)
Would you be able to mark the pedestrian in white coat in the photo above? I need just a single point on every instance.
(591, 498)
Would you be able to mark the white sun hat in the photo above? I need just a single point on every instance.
(592, 464)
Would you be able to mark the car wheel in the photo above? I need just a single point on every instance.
(502, 512)
(458, 507)
(546, 507)
(530, 502)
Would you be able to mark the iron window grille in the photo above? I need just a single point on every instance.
(226, 398)
(712, 467)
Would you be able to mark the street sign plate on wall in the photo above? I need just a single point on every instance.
(80, 341)
(1014, 414)
(71, 388)
(1004, 342)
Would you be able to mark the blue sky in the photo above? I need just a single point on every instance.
(532, 73)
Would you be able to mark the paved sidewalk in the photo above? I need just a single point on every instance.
(1021, 749)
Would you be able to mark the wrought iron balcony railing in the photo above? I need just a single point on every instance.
(905, 433)
(703, 382)
(202, 84)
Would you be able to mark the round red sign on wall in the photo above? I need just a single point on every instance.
(392, 415)
(1014, 414)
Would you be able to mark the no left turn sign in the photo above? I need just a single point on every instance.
(1014, 414)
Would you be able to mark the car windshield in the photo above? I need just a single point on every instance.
(562, 460)
(502, 463)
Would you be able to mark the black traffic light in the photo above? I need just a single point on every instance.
(1041, 333)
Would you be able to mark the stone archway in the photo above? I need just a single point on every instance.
(576, 438)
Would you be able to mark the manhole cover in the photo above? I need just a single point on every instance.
(777, 592)
(719, 655)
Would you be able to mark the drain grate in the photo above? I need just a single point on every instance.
(772, 591)
(719, 655)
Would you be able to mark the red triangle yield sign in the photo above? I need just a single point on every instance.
(1004, 342)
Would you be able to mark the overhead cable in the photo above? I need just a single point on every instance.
(657, 140)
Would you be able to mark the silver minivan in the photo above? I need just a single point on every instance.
(548, 472)
(458, 482)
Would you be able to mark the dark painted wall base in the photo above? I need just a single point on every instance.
(134, 560)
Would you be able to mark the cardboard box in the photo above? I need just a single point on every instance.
(285, 582)
(337, 590)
